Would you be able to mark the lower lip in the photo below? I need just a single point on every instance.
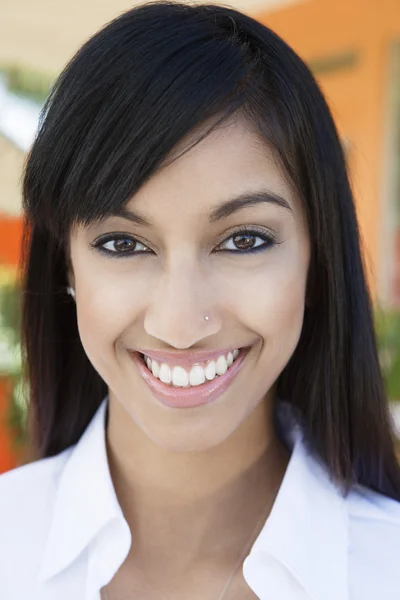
(176, 397)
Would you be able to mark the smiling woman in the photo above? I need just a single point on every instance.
(206, 399)
(226, 224)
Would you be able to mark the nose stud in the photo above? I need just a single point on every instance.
(206, 318)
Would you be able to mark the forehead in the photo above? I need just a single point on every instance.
(229, 161)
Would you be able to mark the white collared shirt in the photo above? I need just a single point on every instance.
(63, 535)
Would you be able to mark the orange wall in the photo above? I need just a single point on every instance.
(319, 29)
(10, 240)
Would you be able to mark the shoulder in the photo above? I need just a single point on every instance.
(374, 545)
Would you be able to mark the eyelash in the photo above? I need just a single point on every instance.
(269, 241)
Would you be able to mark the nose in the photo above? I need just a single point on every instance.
(181, 299)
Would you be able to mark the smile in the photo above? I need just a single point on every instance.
(193, 375)
(190, 384)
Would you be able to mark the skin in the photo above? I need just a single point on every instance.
(193, 483)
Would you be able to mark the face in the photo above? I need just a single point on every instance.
(216, 233)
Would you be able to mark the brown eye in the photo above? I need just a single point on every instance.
(124, 245)
(244, 241)
(120, 245)
(247, 241)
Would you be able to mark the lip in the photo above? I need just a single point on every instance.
(175, 397)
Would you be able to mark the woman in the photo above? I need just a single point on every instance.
(205, 394)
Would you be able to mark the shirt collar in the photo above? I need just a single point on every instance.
(85, 503)
(305, 534)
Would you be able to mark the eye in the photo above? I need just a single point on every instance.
(119, 245)
(248, 240)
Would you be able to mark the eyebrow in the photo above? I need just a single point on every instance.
(248, 199)
(220, 212)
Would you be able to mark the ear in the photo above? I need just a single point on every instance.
(71, 280)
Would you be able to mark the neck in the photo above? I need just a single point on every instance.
(194, 504)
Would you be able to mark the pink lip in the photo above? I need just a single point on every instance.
(176, 397)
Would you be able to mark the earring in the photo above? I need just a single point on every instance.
(206, 318)
(71, 291)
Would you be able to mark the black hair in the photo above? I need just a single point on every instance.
(138, 87)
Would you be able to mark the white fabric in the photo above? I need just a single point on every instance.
(63, 535)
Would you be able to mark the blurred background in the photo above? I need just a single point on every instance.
(353, 48)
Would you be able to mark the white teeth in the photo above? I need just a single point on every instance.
(165, 374)
(197, 375)
(180, 378)
(221, 366)
(210, 370)
(155, 368)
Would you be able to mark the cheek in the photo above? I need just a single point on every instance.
(269, 299)
(108, 304)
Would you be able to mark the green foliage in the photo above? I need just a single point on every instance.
(10, 357)
(388, 337)
(18, 412)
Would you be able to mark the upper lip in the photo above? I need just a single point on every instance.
(182, 358)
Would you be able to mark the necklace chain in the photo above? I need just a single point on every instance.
(264, 515)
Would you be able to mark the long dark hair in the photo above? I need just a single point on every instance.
(131, 93)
